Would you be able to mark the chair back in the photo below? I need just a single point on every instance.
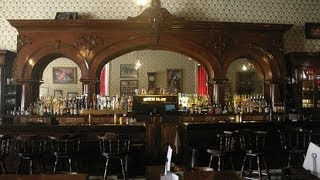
(4, 145)
(252, 140)
(30, 145)
(114, 145)
(295, 138)
(227, 141)
(65, 143)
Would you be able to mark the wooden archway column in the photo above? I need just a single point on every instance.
(90, 87)
(29, 89)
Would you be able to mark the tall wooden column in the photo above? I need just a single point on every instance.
(90, 87)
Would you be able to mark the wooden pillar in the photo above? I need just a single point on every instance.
(90, 87)
(218, 90)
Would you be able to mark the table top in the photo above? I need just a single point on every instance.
(44, 177)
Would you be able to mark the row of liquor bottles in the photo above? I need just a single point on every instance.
(240, 104)
(72, 106)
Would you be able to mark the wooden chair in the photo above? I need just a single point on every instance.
(64, 148)
(224, 150)
(252, 142)
(295, 142)
(4, 152)
(117, 147)
(30, 148)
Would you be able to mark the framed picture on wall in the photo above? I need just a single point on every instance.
(58, 93)
(72, 94)
(64, 75)
(174, 80)
(312, 30)
(128, 71)
(127, 87)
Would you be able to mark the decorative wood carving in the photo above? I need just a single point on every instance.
(89, 41)
(220, 44)
(22, 41)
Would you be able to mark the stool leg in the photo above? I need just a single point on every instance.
(289, 160)
(231, 162)
(259, 168)
(70, 164)
(243, 164)
(267, 169)
(122, 167)
(210, 161)
(30, 166)
(55, 165)
(19, 167)
(106, 170)
(219, 163)
(250, 166)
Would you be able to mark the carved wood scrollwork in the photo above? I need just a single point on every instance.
(89, 41)
(220, 44)
(22, 41)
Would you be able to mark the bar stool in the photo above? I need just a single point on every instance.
(115, 146)
(224, 150)
(30, 148)
(64, 148)
(4, 151)
(295, 142)
(253, 143)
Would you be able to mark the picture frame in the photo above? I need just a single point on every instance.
(312, 30)
(58, 93)
(174, 80)
(72, 94)
(128, 87)
(64, 75)
(128, 71)
(66, 15)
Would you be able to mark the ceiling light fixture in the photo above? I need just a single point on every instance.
(138, 64)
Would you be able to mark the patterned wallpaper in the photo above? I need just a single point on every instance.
(295, 12)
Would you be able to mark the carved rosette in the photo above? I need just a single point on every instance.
(219, 44)
(89, 42)
(23, 41)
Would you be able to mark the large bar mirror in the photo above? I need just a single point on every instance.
(245, 78)
(119, 77)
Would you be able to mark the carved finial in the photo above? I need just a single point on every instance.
(155, 3)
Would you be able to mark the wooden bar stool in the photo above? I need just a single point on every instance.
(224, 150)
(30, 148)
(64, 148)
(252, 142)
(4, 152)
(114, 146)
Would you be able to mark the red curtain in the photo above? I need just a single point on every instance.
(202, 81)
(104, 81)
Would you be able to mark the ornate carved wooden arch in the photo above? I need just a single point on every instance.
(39, 59)
(188, 48)
(262, 58)
(91, 43)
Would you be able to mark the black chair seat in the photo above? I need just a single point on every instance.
(5, 141)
